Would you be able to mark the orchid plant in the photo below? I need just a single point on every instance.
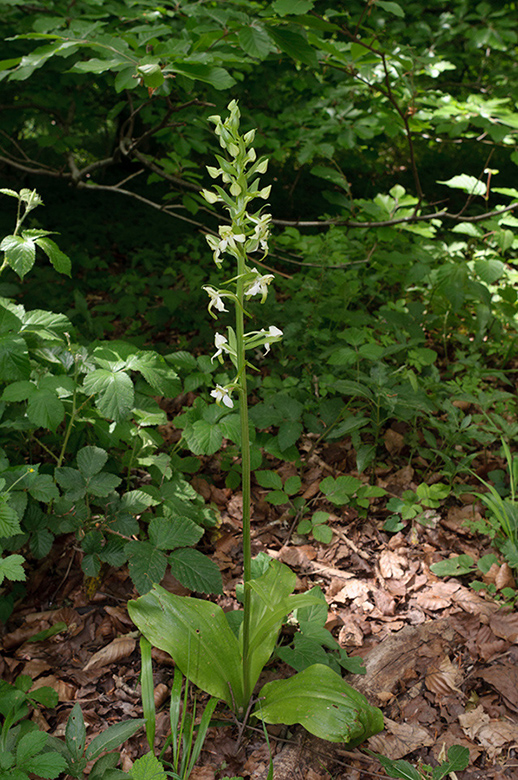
(224, 653)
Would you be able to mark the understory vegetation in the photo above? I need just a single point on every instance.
(376, 272)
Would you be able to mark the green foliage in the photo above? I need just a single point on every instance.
(457, 760)
(226, 656)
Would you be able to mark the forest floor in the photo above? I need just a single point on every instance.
(441, 659)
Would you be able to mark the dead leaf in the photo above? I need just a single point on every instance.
(394, 441)
(504, 678)
(392, 564)
(443, 677)
(121, 647)
(505, 625)
(400, 739)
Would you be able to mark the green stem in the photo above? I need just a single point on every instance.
(245, 475)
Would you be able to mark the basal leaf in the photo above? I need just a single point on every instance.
(321, 701)
(197, 636)
(148, 768)
(196, 571)
(113, 737)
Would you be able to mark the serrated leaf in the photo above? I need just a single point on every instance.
(14, 359)
(269, 479)
(113, 390)
(489, 270)
(203, 438)
(195, 571)
(292, 485)
(289, 433)
(136, 501)
(321, 701)
(91, 460)
(146, 565)
(42, 488)
(148, 768)
(45, 410)
(9, 522)
(304, 653)
(59, 259)
(167, 534)
(19, 391)
(254, 41)
(20, 253)
(11, 568)
(41, 542)
(72, 482)
(103, 484)
(453, 567)
(398, 768)
(340, 490)
(277, 498)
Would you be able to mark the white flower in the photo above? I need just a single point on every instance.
(221, 344)
(222, 395)
(272, 334)
(216, 301)
(259, 286)
(226, 243)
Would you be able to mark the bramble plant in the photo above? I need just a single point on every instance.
(224, 654)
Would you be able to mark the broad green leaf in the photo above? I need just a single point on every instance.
(293, 44)
(270, 603)
(285, 7)
(269, 479)
(151, 74)
(321, 701)
(195, 570)
(9, 322)
(217, 77)
(14, 359)
(11, 567)
(203, 438)
(136, 501)
(91, 460)
(19, 391)
(166, 533)
(392, 8)
(31, 759)
(75, 733)
(103, 484)
(59, 259)
(113, 390)
(46, 325)
(458, 759)
(146, 565)
(113, 737)
(41, 542)
(197, 636)
(304, 653)
(45, 410)
(398, 768)
(46, 695)
(340, 490)
(489, 270)
(72, 482)
(20, 253)
(148, 768)
(42, 488)
(9, 521)
(292, 485)
(466, 183)
(254, 41)
(288, 434)
(453, 567)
